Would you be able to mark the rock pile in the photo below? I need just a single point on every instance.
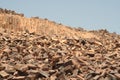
(37, 49)
(31, 56)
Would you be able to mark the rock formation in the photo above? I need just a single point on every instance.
(14, 21)
(38, 49)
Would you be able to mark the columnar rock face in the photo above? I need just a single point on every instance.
(14, 21)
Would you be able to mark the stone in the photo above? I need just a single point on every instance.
(44, 74)
(19, 78)
(2, 68)
(4, 74)
(53, 78)
(31, 66)
(7, 50)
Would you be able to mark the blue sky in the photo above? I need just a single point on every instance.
(88, 14)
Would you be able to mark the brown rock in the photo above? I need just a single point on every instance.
(117, 75)
(31, 77)
(19, 78)
(44, 74)
(31, 66)
(53, 77)
(33, 71)
(2, 68)
(7, 50)
(10, 69)
(4, 74)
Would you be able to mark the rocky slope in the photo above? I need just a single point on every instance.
(14, 21)
(38, 49)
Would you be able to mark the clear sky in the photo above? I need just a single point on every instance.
(88, 14)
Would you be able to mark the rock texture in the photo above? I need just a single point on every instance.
(28, 53)
(14, 21)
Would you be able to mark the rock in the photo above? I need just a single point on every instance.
(2, 68)
(7, 50)
(31, 77)
(32, 71)
(10, 69)
(53, 78)
(19, 78)
(4, 74)
(31, 66)
(19, 67)
(117, 75)
(44, 74)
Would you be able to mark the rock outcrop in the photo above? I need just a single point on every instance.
(14, 21)
(37, 49)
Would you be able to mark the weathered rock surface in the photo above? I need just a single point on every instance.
(26, 55)
(16, 22)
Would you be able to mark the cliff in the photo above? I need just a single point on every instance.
(13, 21)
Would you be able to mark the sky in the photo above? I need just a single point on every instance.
(87, 14)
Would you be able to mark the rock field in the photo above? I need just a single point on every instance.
(89, 55)
(30, 56)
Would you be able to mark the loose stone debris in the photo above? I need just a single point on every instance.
(38, 49)
(27, 56)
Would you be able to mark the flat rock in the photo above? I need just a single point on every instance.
(19, 78)
(4, 74)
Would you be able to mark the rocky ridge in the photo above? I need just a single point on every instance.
(70, 54)
(14, 21)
